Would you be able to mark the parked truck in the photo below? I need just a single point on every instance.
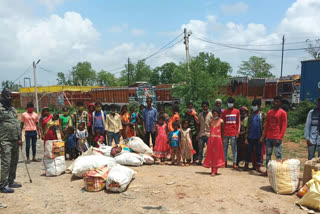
(310, 80)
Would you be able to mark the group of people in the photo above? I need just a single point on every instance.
(181, 136)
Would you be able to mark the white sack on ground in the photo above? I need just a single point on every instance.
(55, 166)
(129, 159)
(119, 178)
(137, 145)
(84, 163)
(148, 160)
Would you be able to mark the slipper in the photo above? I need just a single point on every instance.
(3, 206)
(35, 160)
(264, 174)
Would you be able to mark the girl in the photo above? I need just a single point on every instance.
(51, 133)
(174, 140)
(215, 154)
(71, 143)
(186, 143)
(242, 147)
(98, 139)
(133, 120)
(82, 135)
(45, 119)
(64, 122)
(125, 118)
(175, 117)
(139, 124)
(161, 149)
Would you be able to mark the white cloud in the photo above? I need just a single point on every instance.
(234, 9)
(137, 32)
(51, 4)
(118, 29)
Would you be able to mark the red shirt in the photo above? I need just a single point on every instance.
(276, 124)
(51, 135)
(231, 119)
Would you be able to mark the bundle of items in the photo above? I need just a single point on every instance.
(119, 178)
(310, 192)
(284, 175)
(137, 145)
(310, 165)
(129, 159)
(54, 159)
(95, 179)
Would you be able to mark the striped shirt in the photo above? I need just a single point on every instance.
(231, 120)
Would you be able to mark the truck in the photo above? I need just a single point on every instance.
(310, 80)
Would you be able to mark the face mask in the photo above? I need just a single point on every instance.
(80, 108)
(98, 109)
(217, 117)
(113, 111)
(189, 109)
(230, 105)
(254, 108)
(65, 113)
(205, 111)
(30, 110)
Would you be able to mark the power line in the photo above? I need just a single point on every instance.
(23, 73)
(247, 49)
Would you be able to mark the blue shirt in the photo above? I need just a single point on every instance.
(174, 138)
(255, 128)
(150, 117)
(71, 141)
(133, 118)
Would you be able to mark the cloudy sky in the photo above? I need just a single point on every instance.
(105, 33)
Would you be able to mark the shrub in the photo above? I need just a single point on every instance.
(298, 115)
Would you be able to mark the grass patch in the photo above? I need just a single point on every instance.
(295, 134)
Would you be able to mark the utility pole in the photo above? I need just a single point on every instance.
(128, 71)
(186, 42)
(35, 84)
(282, 55)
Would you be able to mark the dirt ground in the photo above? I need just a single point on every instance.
(155, 189)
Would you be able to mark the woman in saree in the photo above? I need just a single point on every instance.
(126, 132)
(45, 119)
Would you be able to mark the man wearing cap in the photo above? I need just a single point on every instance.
(10, 139)
(311, 131)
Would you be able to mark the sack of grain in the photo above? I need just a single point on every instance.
(55, 166)
(137, 145)
(119, 178)
(284, 175)
(95, 179)
(148, 160)
(53, 149)
(129, 159)
(308, 167)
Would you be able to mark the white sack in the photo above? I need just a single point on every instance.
(137, 145)
(119, 178)
(129, 159)
(148, 160)
(54, 166)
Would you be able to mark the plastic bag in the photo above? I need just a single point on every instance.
(148, 160)
(95, 179)
(137, 145)
(129, 159)
(119, 178)
(85, 163)
(53, 149)
(312, 198)
(55, 166)
(308, 167)
(284, 176)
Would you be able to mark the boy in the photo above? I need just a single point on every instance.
(231, 119)
(98, 120)
(274, 130)
(80, 116)
(113, 126)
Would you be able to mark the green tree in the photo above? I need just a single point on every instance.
(154, 77)
(255, 67)
(10, 85)
(106, 79)
(142, 72)
(83, 74)
(63, 80)
(313, 48)
(207, 75)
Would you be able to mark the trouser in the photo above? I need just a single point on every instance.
(312, 151)
(251, 144)
(277, 150)
(233, 147)
(31, 135)
(114, 136)
(9, 161)
(202, 141)
(147, 138)
(195, 146)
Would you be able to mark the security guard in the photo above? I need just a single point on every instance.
(10, 139)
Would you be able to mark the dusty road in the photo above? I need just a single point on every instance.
(155, 189)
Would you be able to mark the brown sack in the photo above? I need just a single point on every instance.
(308, 166)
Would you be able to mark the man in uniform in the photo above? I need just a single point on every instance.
(10, 139)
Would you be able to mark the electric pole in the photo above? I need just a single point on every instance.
(282, 55)
(186, 42)
(35, 84)
(128, 71)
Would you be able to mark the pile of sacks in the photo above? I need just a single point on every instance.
(54, 158)
(103, 167)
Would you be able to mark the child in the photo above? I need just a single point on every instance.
(186, 143)
(51, 133)
(133, 119)
(82, 135)
(71, 143)
(174, 140)
(56, 120)
(98, 139)
(175, 117)
(215, 153)
(161, 149)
